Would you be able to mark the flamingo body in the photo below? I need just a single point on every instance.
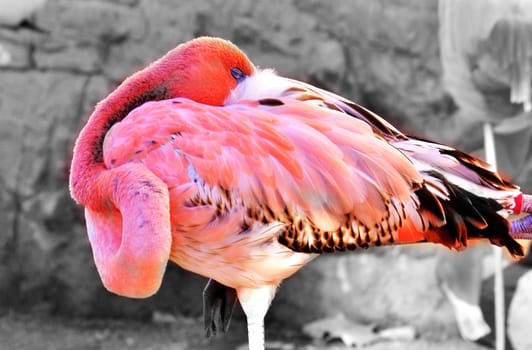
(241, 225)
(243, 176)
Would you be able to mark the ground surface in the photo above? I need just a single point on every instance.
(25, 332)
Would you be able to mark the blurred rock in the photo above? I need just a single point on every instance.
(517, 303)
(131, 3)
(16, 47)
(93, 22)
(69, 56)
(37, 108)
(13, 13)
(336, 328)
(354, 334)
(13, 55)
(519, 314)
(393, 53)
(326, 64)
(388, 287)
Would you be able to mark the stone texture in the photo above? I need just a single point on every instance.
(13, 55)
(393, 54)
(393, 286)
(36, 122)
(69, 56)
(517, 300)
(16, 47)
(89, 21)
(519, 314)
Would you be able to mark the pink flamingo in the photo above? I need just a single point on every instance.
(243, 176)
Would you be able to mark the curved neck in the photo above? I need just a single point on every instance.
(168, 77)
(87, 159)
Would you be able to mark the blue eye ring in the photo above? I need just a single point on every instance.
(238, 74)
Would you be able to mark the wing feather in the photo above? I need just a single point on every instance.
(319, 163)
(333, 180)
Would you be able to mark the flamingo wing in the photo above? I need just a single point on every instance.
(332, 180)
(316, 171)
(425, 154)
(455, 178)
(461, 168)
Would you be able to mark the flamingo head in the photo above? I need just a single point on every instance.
(205, 70)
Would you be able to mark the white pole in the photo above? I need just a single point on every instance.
(498, 281)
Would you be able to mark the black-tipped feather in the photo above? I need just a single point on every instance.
(452, 221)
(471, 216)
(481, 168)
(431, 206)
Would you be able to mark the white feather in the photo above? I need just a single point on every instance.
(264, 83)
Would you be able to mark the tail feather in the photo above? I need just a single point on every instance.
(469, 216)
(430, 206)
(498, 228)
(481, 169)
(456, 164)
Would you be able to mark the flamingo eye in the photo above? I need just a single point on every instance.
(238, 74)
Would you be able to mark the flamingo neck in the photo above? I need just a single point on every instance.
(87, 160)
(186, 71)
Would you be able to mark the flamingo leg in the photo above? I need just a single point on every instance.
(255, 302)
(218, 304)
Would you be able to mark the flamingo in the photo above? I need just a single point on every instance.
(243, 176)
